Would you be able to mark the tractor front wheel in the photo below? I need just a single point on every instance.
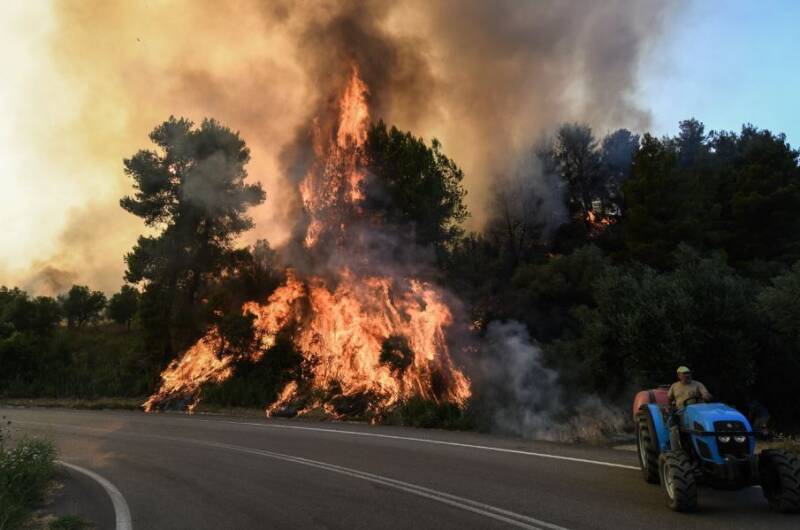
(678, 480)
(647, 446)
(780, 479)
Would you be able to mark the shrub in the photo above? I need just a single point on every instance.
(419, 412)
(25, 470)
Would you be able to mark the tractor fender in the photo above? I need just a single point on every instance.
(656, 396)
(659, 426)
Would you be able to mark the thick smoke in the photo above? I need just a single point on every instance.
(528, 202)
(525, 398)
(483, 77)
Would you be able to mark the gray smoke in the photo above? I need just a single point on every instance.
(486, 77)
(491, 77)
(525, 398)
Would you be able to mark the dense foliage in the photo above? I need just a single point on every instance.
(684, 253)
(414, 186)
(623, 257)
(193, 191)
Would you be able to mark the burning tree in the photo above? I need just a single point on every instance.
(371, 335)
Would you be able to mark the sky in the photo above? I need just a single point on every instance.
(727, 63)
(84, 83)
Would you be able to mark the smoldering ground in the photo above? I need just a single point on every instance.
(521, 396)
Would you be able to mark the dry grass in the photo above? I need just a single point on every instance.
(70, 403)
(781, 441)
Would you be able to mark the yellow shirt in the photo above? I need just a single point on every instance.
(679, 392)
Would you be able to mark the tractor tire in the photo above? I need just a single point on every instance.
(780, 479)
(678, 480)
(647, 446)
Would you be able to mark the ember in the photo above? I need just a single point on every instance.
(598, 223)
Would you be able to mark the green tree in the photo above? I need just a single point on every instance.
(664, 205)
(646, 323)
(122, 306)
(759, 187)
(193, 190)
(779, 360)
(617, 151)
(414, 185)
(544, 295)
(578, 161)
(691, 142)
(26, 329)
(82, 305)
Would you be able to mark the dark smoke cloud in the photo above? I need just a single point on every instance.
(486, 78)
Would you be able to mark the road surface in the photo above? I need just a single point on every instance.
(204, 472)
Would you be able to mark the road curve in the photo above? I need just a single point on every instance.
(203, 472)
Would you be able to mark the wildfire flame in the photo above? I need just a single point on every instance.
(336, 176)
(370, 336)
(597, 223)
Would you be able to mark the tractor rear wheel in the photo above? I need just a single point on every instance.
(780, 479)
(678, 481)
(647, 446)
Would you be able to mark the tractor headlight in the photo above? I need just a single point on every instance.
(724, 439)
(740, 438)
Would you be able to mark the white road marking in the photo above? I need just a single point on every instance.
(429, 441)
(487, 510)
(512, 518)
(122, 513)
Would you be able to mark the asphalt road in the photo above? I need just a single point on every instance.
(202, 472)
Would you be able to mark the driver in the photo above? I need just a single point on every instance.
(686, 388)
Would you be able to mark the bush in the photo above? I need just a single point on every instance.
(647, 323)
(779, 360)
(25, 470)
(419, 412)
(87, 363)
(396, 353)
(257, 383)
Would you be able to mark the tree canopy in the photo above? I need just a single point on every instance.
(122, 306)
(81, 305)
(414, 185)
(193, 189)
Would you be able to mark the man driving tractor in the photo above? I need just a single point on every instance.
(696, 441)
(686, 388)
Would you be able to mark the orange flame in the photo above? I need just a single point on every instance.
(596, 223)
(335, 179)
(341, 331)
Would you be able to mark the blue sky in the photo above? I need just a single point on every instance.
(726, 63)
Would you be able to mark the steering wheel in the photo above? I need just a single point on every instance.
(694, 400)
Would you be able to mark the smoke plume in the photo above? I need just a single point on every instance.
(525, 398)
(483, 77)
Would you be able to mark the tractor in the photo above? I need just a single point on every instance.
(712, 444)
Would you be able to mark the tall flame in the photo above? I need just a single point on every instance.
(376, 337)
(335, 178)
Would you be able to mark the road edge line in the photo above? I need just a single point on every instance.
(430, 441)
(463, 503)
(122, 513)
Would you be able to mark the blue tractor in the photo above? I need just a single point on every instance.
(708, 443)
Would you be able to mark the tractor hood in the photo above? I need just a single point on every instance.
(714, 417)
